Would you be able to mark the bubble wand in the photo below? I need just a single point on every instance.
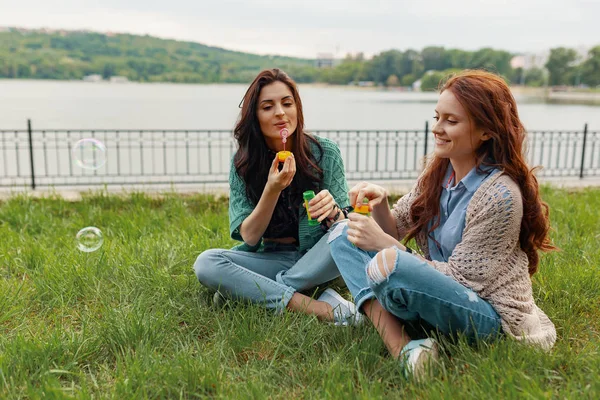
(282, 155)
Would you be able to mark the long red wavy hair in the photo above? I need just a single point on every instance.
(491, 106)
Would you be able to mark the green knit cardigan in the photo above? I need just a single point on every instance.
(334, 180)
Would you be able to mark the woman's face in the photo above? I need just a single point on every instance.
(276, 110)
(455, 136)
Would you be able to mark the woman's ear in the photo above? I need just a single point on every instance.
(485, 136)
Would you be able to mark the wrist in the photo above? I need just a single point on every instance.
(327, 222)
(271, 189)
(346, 211)
(337, 214)
(382, 205)
(391, 241)
(334, 213)
(403, 247)
(386, 242)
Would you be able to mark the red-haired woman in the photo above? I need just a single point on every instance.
(478, 219)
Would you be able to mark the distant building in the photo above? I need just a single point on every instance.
(92, 78)
(530, 60)
(517, 62)
(324, 60)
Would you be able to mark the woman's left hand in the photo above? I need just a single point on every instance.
(322, 205)
(366, 234)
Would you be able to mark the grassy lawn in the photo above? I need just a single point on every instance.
(131, 321)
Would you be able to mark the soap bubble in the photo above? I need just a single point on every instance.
(89, 153)
(89, 239)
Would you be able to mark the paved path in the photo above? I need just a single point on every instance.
(397, 187)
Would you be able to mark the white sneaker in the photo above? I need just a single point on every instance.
(218, 300)
(344, 311)
(417, 356)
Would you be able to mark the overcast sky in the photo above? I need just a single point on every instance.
(304, 28)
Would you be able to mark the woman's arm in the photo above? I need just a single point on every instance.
(385, 219)
(367, 234)
(252, 226)
(255, 224)
(401, 213)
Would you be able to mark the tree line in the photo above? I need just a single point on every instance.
(73, 55)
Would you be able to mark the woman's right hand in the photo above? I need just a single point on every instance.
(374, 193)
(279, 180)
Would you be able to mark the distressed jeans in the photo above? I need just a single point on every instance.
(415, 292)
(267, 278)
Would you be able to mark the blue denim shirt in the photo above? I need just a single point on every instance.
(453, 211)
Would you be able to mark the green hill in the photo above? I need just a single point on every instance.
(39, 54)
(30, 54)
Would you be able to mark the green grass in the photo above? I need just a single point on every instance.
(131, 321)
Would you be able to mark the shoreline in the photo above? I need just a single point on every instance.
(567, 93)
(566, 96)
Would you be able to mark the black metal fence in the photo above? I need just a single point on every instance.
(42, 158)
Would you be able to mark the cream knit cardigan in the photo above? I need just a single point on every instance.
(489, 260)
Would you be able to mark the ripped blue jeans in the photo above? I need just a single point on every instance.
(423, 298)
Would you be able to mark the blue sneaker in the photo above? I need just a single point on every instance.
(344, 311)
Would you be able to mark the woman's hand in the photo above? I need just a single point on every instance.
(279, 180)
(376, 195)
(322, 206)
(366, 234)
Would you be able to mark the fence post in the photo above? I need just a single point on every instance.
(583, 150)
(425, 138)
(31, 154)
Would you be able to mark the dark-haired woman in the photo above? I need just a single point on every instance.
(281, 254)
(478, 219)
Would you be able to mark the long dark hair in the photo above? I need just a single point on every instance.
(491, 106)
(252, 160)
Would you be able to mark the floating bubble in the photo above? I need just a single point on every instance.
(89, 239)
(89, 153)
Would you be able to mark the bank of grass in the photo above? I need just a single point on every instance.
(131, 321)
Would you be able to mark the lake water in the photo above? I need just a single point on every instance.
(83, 105)
(178, 156)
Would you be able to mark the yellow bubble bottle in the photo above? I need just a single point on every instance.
(363, 208)
(283, 155)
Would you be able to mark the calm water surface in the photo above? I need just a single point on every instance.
(83, 105)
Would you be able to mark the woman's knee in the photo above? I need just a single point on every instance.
(382, 265)
(405, 267)
(205, 265)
